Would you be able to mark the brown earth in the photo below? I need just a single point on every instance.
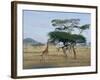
(32, 58)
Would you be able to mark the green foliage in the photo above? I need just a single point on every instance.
(69, 25)
(63, 31)
(58, 22)
(66, 37)
(84, 27)
(78, 38)
(65, 24)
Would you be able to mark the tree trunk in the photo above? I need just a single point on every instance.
(74, 51)
(64, 51)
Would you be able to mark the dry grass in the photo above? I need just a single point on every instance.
(33, 59)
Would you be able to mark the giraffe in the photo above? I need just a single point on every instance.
(63, 47)
(45, 51)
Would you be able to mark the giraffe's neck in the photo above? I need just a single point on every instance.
(46, 50)
(47, 46)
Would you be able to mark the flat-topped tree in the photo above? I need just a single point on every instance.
(67, 25)
(63, 32)
(56, 36)
(66, 38)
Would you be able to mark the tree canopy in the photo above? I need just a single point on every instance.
(69, 25)
(64, 33)
(64, 28)
(66, 37)
(65, 24)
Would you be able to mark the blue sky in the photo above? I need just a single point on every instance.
(37, 24)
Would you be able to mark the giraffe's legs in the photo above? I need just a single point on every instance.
(73, 48)
(64, 51)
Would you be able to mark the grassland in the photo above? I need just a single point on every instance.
(32, 57)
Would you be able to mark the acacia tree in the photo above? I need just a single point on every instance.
(83, 27)
(65, 25)
(66, 38)
(63, 33)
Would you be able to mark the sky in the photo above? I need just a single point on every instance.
(37, 24)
